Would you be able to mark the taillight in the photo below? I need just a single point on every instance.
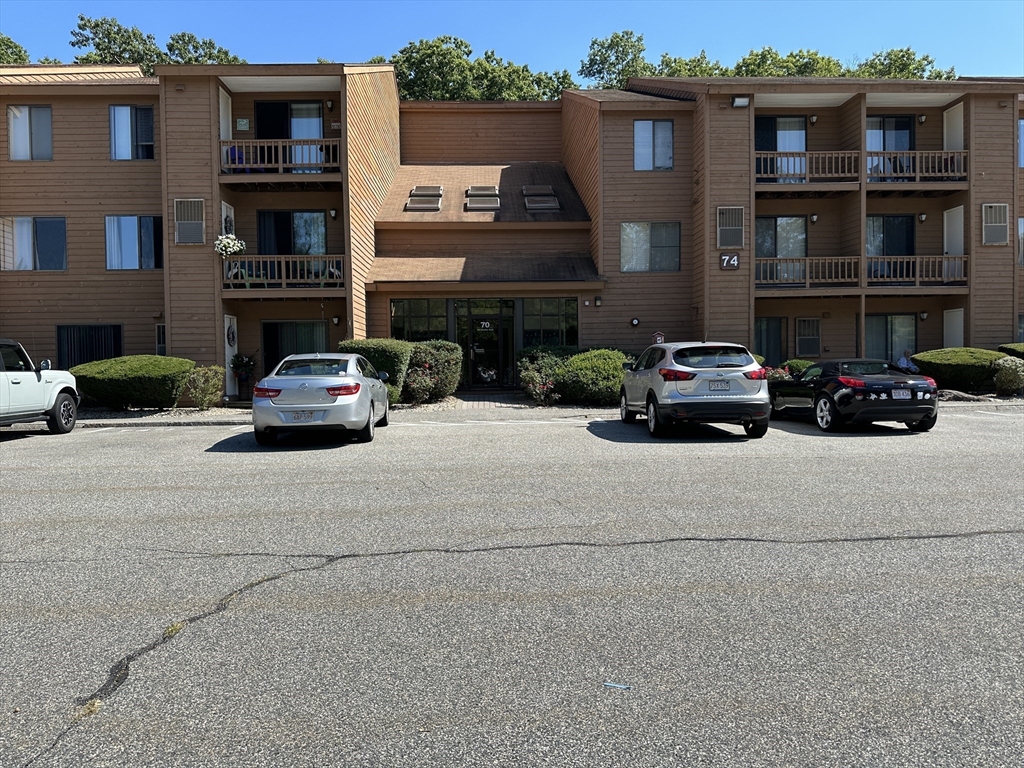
(265, 392)
(931, 382)
(671, 374)
(760, 373)
(344, 389)
(849, 381)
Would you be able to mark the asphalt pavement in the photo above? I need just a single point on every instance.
(529, 587)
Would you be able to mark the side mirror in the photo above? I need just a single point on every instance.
(383, 376)
(627, 366)
(44, 366)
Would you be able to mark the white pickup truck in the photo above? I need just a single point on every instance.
(28, 393)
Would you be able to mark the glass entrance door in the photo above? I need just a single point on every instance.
(485, 329)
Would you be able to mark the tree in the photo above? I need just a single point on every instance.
(186, 48)
(48, 60)
(611, 61)
(11, 52)
(901, 64)
(551, 85)
(770, 63)
(697, 66)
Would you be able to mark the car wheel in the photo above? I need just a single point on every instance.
(63, 415)
(777, 413)
(923, 425)
(655, 426)
(825, 414)
(626, 415)
(365, 435)
(755, 430)
(384, 421)
(264, 437)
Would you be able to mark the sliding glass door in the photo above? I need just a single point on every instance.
(788, 136)
(894, 136)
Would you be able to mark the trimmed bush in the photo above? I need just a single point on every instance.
(388, 355)
(1014, 350)
(205, 386)
(965, 369)
(140, 381)
(796, 365)
(434, 371)
(537, 367)
(1009, 375)
(591, 378)
(760, 360)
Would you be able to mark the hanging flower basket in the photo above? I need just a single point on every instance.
(229, 246)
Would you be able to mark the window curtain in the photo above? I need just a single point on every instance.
(51, 243)
(20, 133)
(635, 247)
(122, 242)
(121, 133)
(643, 145)
(23, 245)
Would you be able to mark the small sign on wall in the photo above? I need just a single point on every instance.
(335, 125)
(241, 123)
(729, 260)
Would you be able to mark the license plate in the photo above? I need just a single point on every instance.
(901, 394)
(718, 385)
(298, 416)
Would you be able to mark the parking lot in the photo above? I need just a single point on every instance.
(523, 587)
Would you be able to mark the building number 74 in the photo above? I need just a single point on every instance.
(730, 260)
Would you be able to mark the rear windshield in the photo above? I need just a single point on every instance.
(324, 367)
(869, 367)
(713, 357)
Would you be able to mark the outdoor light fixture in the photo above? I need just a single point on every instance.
(813, 119)
(330, 105)
(179, 87)
(334, 213)
(814, 218)
(597, 301)
(922, 217)
(335, 319)
(923, 315)
(741, 101)
(922, 118)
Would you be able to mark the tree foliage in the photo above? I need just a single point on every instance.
(612, 60)
(902, 64)
(697, 66)
(107, 41)
(11, 52)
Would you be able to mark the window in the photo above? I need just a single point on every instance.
(161, 338)
(31, 132)
(808, 337)
(1020, 328)
(292, 233)
(781, 134)
(135, 242)
(995, 224)
(652, 145)
(894, 136)
(77, 344)
(783, 237)
(890, 236)
(14, 358)
(770, 336)
(419, 319)
(189, 222)
(550, 322)
(1020, 143)
(730, 227)
(889, 335)
(33, 243)
(649, 247)
(1020, 241)
(131, 133)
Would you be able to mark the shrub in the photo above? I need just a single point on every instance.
(777, 374)
(760, 360)
(142, 381)
(434, 371)
(537, 367)
(1009, 375)
(388, 355)
(205, 386)
(796, 365)
(591, 378)
(965, 369)
(1014, 350)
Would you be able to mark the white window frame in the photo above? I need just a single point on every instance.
(133, 132)
(995, 215)
(801, 351)
(723, 212)
(113, 233)
(652, 126)
(35, 154)
(18, 247)
(185, 211)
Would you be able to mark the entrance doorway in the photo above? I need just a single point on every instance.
(485, 329)
(281, 339)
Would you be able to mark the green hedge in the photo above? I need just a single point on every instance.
(1014, 350)
(1008, 375)
(965, 369)
(434, 371)
(591, 378)
(388, 355)
(796, 365)
(140, 381)
(760, 360)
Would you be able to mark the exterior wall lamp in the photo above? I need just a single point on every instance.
(741, 101)
(922, 217)
(923, 315)
(813, 119)
(597, 301)
(922, 118)
(330, 105)
(334, 213)
(336, 320)
(814, 218)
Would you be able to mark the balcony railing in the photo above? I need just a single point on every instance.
(917, 166)
(260, 272)
(280, 156)
(839, 271)
(805, 167)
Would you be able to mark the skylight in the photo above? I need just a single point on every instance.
(533, 190)
(542, 203)
(482, 190)
(483, 204)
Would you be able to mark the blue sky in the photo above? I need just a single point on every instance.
(978, 37)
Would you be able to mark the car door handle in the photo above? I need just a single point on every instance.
(15, 381)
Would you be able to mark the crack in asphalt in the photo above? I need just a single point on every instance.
(91, 703)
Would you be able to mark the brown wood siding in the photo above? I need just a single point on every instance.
(700, 214)
(452, 135)
(244, 105)
(850, 123)
(581, 155)
(190, 129)
(661, 300)
(993, 172)
(372, 155)
(83, 185)
(851, 225)
(482, 240)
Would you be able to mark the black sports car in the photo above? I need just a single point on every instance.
(856, 390)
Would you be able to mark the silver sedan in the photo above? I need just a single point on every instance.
(320, 391)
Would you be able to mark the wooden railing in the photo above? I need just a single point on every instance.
(839, 271)
(280, 156)
(917, 166)
(284, 272)
(804, 167)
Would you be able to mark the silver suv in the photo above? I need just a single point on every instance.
(698, 383)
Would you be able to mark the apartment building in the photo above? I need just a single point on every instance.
(802, 217)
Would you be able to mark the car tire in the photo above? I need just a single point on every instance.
(264, 437)
(777, 413)
(655, 426)
(365, 435)
(923, 425)
(755, 429)
(825, 414)
(625, 415)
(63, 415)
(384, 420)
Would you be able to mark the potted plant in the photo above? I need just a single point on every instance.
(243, 366)
(228, 246)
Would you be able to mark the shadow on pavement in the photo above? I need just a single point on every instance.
(244, 442)
(884, 429)
(617, 432)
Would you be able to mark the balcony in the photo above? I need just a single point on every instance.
(806, 167)
(296, 156)
(291, 273)
(916, 167)
(846, 272)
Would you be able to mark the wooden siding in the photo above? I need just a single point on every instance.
(489, 133)
(581, 155)
(372, 155)
(83, 185)
(701, 249)
(459, 240)
(850, 123)
(851, 224)
(661, 300)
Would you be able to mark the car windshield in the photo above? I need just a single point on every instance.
(869, 367)
(713, 357)
(323, 367)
